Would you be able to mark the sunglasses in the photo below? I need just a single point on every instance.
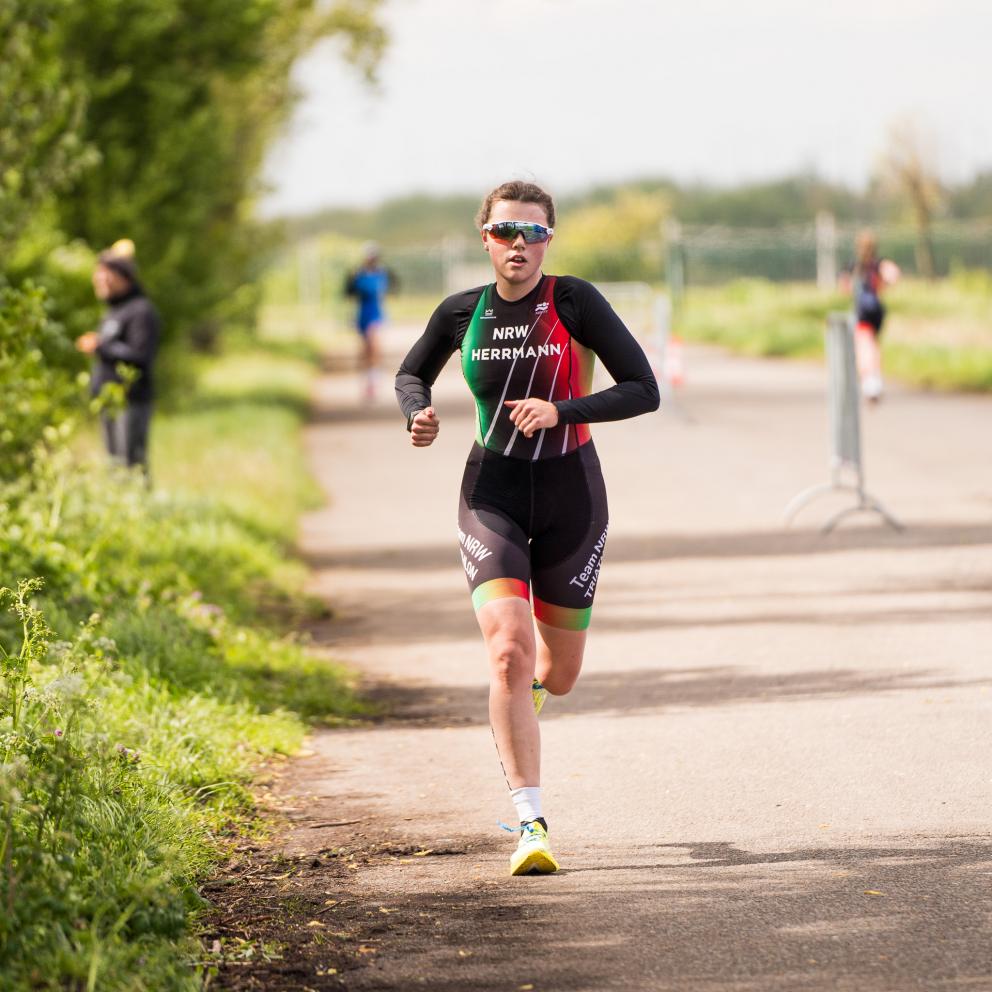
(507, 230)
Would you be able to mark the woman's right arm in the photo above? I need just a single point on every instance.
(423, 363)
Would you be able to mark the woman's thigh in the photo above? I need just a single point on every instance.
(566, 555)
(494, 548)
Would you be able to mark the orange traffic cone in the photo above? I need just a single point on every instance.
(675, 362)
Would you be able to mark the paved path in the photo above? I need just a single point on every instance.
(775, 771)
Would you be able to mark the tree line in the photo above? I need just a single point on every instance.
(773, 203)
(149, 119)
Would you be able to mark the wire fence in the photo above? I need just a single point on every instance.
(715, 255)
(314, 273)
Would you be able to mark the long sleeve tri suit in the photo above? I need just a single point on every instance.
(533, 514)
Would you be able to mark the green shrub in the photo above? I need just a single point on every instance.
(37, 395)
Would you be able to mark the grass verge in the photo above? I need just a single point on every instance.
(145, 675)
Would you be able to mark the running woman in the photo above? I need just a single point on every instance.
(368, 284)
(867, 278)
(532, 513)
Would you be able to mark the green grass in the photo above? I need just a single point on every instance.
(759, 318)
(143, 684)
(413, 308)
(236, 448)
(940, 366)
(937, 335)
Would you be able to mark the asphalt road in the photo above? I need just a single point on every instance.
(774, 773)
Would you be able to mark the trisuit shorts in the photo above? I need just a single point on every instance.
(369, 315)
(534, 528)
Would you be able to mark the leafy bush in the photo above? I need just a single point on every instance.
(42, 103)
(37, 395)
(615, 241)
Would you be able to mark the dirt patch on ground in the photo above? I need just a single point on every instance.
(298, 923)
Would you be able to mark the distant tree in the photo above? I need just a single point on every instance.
(620, 239)
(790, 200)
(908, 169)
(185, 97)
(973, 199)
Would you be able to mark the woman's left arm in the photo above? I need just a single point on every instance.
(594, 323)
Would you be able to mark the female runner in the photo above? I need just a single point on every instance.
(866, 279)
(532, 514)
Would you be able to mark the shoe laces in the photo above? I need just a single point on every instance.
(517, 829)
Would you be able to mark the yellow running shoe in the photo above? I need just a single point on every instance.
(539, 693)
(533, 854)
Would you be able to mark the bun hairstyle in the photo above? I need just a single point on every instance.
(122, 248)
(521, 192)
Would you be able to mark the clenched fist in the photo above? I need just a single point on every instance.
(424, 427)
(532, 415)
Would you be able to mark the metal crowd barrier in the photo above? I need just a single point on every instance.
(847, 471)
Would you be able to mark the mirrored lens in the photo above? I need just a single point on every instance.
(509, 229)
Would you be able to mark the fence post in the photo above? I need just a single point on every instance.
(844, 399)
(826, 251)
(675, 266)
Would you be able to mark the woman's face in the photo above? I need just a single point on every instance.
(516, 261)
(108, 283)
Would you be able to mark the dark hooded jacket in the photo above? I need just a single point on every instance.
(129, 333)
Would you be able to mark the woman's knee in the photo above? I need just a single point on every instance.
(560, 683)
(511, 661)
(560, 658)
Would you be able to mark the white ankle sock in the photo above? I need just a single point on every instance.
(527, 801)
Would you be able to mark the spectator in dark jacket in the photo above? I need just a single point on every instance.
(128, 335)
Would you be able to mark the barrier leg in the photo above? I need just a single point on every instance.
(885, 515)
(865, 504)
(807, 496)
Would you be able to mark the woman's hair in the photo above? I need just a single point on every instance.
(521, 192)
(865, 246)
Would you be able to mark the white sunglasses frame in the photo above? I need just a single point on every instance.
(488, 228)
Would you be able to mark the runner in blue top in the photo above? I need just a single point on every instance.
(368, 285)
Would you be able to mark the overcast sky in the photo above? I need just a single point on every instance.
(574, 92)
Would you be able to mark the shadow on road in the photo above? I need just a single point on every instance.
(695, 916)
(777, 542)
(397, 616)
(843, 616)
(654, 690)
